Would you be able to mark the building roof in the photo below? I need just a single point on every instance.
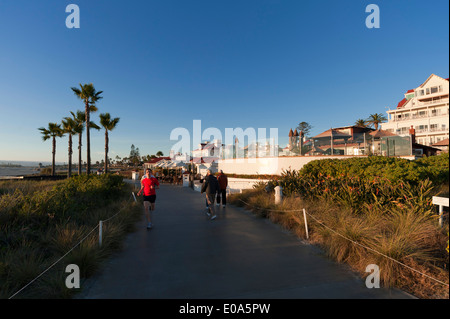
(432, 75)
(332, 132)
(401, 103)
(424, 147)
(381, 133)
(156, 160)
(441, 143)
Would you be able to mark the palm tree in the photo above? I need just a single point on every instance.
(376, 119)
(109, 125)
(361, 123)
(53, 131)
(80, 119)
(89, 96)
(70, 127)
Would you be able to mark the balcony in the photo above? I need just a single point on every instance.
(432, 102)
(419, 116)
(432, 130)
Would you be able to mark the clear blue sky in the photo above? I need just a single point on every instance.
(234, 63)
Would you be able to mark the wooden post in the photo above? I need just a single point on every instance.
(100, 233)
(306, 224)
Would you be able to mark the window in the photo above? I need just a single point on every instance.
(434, 89)
(435, 112)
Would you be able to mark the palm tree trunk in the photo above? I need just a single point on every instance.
(53, 155)
(88, 140)
(106, 151)
(69, 173)
(79, 153)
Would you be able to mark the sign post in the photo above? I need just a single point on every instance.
(441, 202)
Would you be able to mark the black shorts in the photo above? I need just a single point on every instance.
(151, 198)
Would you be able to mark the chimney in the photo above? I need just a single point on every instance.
(412, 133)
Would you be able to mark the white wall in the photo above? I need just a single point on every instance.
(270, 165)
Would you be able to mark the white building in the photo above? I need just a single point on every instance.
(426, 109)
(207, 156)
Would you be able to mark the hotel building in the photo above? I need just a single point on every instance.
(426, 109)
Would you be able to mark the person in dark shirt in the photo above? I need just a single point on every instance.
(210, 187)
(222, 191)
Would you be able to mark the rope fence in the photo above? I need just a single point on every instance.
(99, 226)
(344, 237)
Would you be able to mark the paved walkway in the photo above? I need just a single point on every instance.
(237, 256)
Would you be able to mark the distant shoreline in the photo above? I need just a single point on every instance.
(10, 165)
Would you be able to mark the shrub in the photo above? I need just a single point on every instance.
(41, 221)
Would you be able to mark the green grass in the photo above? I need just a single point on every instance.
(41, 221)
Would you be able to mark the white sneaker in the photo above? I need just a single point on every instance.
(214, 217)
(217, 205)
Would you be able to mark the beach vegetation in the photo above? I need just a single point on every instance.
(42, 221)
(363, 211)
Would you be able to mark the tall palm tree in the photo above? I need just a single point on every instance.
(89, 96)
(376, 119)
(109, 125)
(53, 131)
(361, 123)
(80, 119)
(70, 127)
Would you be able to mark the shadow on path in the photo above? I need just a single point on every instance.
(237, 256)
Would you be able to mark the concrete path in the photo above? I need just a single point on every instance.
(236, 256)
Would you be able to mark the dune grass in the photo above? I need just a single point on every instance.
(42, 221)
(404, 233)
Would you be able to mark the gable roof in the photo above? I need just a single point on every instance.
(156, 160)
(401, 103)
(432, 75)
(332, 132)
(381, 133)
(441, 143)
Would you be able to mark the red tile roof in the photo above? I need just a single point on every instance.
(441, 143)
(156, 160)
(401, 103)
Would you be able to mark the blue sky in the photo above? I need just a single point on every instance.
(246, 63)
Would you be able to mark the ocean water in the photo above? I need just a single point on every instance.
(18, 171)
(27, 168)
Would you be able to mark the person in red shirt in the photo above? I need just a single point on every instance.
(149, 184)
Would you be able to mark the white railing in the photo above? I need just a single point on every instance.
(437, 101)
(417, 116)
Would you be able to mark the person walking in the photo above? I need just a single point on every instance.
(222, 192)
(210, 187)
(149, 184)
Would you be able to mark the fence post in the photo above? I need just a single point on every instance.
(134, 197)
(100, 233)
(278, 194)
(306, 224)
